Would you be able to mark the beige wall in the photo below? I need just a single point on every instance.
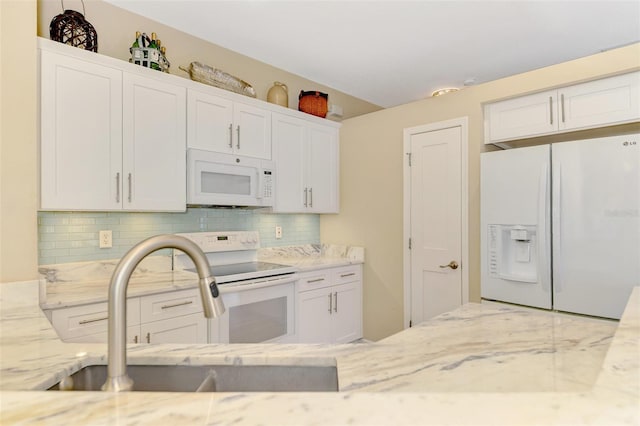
(371, 179)
(18, 138)
(116, 30)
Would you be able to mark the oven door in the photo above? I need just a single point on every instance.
(257, 311)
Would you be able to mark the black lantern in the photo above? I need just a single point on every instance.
(71, 28)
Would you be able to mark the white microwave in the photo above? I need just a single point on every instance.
(215, 179)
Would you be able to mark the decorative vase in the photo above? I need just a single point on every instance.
(278, 94)
(71, 28)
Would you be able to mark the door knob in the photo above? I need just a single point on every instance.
(453, 265)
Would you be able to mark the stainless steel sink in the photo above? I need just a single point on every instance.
(211, 378)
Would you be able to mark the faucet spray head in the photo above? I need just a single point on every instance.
(211, 300)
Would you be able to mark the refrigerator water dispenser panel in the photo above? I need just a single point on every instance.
(512, 252)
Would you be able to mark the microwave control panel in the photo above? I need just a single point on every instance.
(267, 184)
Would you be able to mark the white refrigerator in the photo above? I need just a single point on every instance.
(560, 225)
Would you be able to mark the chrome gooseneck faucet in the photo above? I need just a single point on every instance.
(117, 379)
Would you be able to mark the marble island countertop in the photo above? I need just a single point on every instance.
(479, 364)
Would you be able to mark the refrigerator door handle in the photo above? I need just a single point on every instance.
(557, 227)
(543, 252)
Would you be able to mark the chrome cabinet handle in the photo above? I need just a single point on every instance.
(230, 135)
(306, 191)
(89, 321)
(129, 178)
(335, 302)
(330, 303)
(118, 187)
(310, 197)
(350, 274)
(315, 281)
(188, 302)
(562, 106)
(238, 130)
(550, 110)
(453, 265)
(135, 339)
(149, 337)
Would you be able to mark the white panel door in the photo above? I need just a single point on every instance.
(608, 101)
(209, 122)
(186, 329)
(322, 170)
(347, 312)
(596, 224)
(252, 131)
(436, 218)
(515, 191)
(289, 136)
(154, 145)
(525, 116)
(314, 318)
(81, 134)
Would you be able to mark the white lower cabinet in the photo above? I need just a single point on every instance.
(330, 305)
(173, 317)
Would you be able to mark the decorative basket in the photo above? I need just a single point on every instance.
(217, 78)
(71, 28)
(313, 102)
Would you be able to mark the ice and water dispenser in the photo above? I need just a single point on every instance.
(513, 252)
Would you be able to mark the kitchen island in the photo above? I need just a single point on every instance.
(480, 364)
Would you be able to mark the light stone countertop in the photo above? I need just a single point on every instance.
(479, 364)
(81, 283)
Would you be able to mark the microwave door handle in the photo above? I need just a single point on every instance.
(259, 173)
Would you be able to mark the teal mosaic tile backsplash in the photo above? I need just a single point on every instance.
(65, 237)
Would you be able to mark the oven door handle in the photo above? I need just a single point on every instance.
(257, 283)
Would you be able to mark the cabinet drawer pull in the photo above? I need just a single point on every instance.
(550, 110)
(335, 303)
(317, 280)
(330, 303)
(89, 321)
(135, 339)
(149, 337)
(188, 302)
(350, 274)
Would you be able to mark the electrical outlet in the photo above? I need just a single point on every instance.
(106, 240)
(278, 232)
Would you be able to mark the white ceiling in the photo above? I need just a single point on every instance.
(394, 52)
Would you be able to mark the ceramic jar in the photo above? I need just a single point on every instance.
(278, 94)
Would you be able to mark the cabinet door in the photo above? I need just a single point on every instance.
(603, 102)
(522, 117)
(133, 336)
(289, 137)
(314, 319)
(81, 134)
(322, 175)
(185, 329)
(347, 312)
(209, 122)
(154, 145)
(252, 131)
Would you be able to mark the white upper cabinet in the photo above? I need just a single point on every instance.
(306, 156)
(605, 102)
(110, 139)
(229, 127)
(154, 141)
(80, 134)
